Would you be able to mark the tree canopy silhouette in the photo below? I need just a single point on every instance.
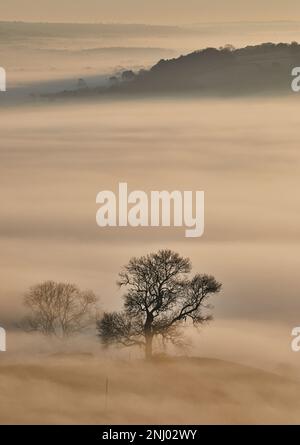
(160, 296)
(59, 309)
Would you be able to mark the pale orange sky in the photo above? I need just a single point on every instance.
(154, 11)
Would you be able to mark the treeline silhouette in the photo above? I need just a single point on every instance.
(225, 71)
(264, 68)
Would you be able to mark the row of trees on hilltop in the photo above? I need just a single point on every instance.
(160, 296)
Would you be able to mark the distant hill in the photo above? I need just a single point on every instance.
(265, 68)
(23, 30)
(261, 69)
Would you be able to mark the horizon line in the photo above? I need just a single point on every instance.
(182, 25)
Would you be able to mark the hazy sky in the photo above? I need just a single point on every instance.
(154, 11)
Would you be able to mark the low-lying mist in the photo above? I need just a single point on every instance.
(244, 154)
(52, 382)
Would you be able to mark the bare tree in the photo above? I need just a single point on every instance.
(160, 297)
(59, 309)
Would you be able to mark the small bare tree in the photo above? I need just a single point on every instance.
(59, 309)
(160, 297)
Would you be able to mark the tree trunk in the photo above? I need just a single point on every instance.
(148, 336)
(148, 347)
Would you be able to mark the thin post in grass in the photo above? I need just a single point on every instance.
(106, 393)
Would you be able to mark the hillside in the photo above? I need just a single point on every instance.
(71, 389)
(264, 68)
(254, 70)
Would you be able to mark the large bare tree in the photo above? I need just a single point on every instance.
(160, 296)
(59, 309)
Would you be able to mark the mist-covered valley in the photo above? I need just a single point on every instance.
(57, 155)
